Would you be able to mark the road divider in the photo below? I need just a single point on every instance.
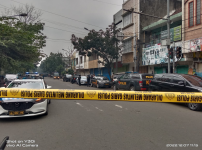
(138, 96)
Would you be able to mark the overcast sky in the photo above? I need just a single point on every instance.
(95, 14)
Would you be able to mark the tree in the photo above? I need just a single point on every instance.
(70, 71)
(102, 43)
(60, 69)
(51, 63)
(33, 15)
(20, 43)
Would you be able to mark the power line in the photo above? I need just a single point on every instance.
(60, 15)
(62, 24)
(63, 30)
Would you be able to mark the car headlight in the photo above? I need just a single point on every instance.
(39, 100)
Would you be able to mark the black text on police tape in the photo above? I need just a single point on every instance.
(3, 93)
(51, 94)
(137, 97)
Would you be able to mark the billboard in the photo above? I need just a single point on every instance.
(195, 45)
(154, 55)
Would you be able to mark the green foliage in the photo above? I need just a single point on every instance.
(20, 44)
(102, 43)
(70, 71)
(53, 63)
(60, 69)
(63, 73)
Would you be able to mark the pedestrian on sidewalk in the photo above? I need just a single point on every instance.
(79, 79)
(88, 80)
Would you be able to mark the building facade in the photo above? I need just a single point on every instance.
(192, 34)
(153, 55)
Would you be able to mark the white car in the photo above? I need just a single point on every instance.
(20, 107)
(83, 80)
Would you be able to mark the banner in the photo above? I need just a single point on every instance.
(138, 96)
(154, 55)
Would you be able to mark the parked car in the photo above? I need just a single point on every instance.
(83, 80)
(20, 107)
(178, 83)
(134, 81)
(116, 76)
(100, 81)
(67, 78)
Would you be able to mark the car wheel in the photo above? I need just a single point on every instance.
(98, 85)
(109, 86)
(132, 88)
(195, 106)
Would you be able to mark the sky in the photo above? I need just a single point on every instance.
(63, 18)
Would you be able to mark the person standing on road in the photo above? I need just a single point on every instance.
(79, 78)
(88, 80)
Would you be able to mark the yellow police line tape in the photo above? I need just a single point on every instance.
(139, 96)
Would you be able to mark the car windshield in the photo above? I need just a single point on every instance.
(83, 77)
(26, 85)
(195, 80)
(56, 74)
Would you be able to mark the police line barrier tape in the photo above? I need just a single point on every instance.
(139, 96)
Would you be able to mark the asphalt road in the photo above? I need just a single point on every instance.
(106, 125)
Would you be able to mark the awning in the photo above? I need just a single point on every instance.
(161, 22)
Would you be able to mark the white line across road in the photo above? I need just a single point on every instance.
(119, 106)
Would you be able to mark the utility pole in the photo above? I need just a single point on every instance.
(174, 57)
(168, 29)
(135, 54)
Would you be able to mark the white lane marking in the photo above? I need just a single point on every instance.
(99, 109)
(79, 104)
(83, 106)
(119, 106)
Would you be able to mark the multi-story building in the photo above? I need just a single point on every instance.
(192, 34)
(131, 32)
(153, 55)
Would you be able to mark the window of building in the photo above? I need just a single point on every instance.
(77, 62)
(84, 58)
(198, 12)
(127, 20)
(191, 14)
(81, 61)
(127, 46)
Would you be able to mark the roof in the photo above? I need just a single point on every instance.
(28, 80)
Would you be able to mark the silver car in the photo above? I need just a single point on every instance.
(20, 107)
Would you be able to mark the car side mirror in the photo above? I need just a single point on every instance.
(49, 87)
(181, 83)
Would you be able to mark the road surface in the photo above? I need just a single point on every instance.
(106, 125)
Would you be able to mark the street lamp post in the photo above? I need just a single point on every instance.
(20, 15)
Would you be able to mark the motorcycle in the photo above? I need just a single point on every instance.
(73, 80)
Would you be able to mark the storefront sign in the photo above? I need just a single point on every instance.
(164, 34)
(154, 55)
(177, 33)
(195, 45)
